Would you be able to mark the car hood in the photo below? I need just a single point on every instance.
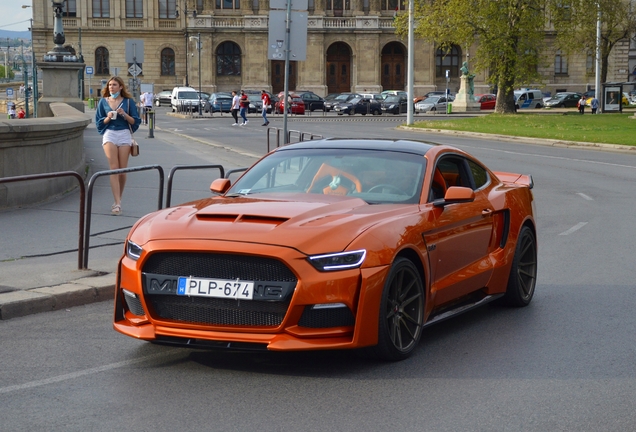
(309, 223)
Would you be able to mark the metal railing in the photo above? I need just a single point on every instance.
(82, 200)
(89, 199)
(184, 167)
(302, 136)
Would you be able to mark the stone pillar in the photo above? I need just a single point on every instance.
(464, 101)
(60, 83)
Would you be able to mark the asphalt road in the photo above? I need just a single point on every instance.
(565, 363)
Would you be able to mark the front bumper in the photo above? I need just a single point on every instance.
(346, 316)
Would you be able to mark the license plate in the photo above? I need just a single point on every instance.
(218, 288)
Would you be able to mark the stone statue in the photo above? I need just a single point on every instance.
(469, 79)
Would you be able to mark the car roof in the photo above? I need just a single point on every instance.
(406, 146)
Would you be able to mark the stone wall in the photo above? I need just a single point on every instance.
(41, 145)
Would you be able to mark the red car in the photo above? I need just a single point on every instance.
(297, 105)
(331, 244)
(487, 101)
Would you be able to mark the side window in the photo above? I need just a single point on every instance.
(449, 171)
(530, 96)
(480, 175)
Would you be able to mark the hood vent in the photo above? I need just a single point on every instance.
(234, 218)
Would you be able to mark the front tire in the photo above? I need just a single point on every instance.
(401, 312)
(523, 274)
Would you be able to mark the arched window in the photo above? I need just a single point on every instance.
(448, 60)
(228, 59)
(167, 62)
(101, 61)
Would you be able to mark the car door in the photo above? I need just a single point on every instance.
(458, 238)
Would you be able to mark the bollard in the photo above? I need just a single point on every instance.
(151, 123)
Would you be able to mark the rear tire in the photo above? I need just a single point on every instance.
(523, 273)
(401, 312)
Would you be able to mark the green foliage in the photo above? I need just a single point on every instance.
(605, 128)
(576, 21)
(10, 73)
(508, 36)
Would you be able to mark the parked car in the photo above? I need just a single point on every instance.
(563, 100)
(219, 102)
(429, 94)
(185, 99)
(528, 99)
(342, 97)
(359, 105)
(163, 98)
(297, 105)
(385, 93)
(432, 104)
(331, 244)
(394, 104)
(486, 101)
(312, 100)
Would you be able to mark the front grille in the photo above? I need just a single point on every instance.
(220, 266)
(327, 317)
(271, 299)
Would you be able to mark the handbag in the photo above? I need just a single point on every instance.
(134, 147)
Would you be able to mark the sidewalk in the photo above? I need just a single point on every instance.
(39, 244)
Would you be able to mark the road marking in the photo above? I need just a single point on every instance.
(576, 227)
(86, 372)
(589, 198)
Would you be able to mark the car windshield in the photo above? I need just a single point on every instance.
(188, 95)
(355, 100)
(377, 177)
(392, 99)
(343, 97)
(432, 100)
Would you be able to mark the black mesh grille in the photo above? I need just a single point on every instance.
(324, 318)
(201, 310)
(213, 311)
(134, 305)
(221, 266)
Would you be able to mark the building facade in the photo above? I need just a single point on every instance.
(351, 46)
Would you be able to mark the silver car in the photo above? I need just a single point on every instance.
(433, 103)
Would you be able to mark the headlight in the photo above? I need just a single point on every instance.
(133, 250)
(391, 106)
(338, 261)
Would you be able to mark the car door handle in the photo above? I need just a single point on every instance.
(486, 212)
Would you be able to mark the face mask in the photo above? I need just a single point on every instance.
(115, 95)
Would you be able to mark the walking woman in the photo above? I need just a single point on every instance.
(116, 118)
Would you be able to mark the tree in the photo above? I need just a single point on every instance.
(576, 21)
(9, 72)
(509, 36)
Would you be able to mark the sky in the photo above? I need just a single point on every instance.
(13, 17)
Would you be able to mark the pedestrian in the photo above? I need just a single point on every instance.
(11, 110)
(581, 104)
(594, 105)
(146, 101)
(244, 103)
(235, 107)
(21, 90)
(266, 105)
(21, 113)
(116, 118)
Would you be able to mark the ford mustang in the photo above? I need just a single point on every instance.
(331, 244)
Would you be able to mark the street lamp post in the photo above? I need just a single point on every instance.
(34, 68)
(187, 35)
(198, 39)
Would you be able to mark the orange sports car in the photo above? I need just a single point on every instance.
(331, 244)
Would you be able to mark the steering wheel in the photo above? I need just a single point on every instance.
(387, 186)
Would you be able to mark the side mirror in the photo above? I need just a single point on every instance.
(220, 186)
(456, 194)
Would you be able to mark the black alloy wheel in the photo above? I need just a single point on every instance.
(401, 312)
(523, 274)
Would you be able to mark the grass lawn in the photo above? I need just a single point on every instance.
(604, 128)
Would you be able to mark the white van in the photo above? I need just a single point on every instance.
(528, 99)
(184, 99)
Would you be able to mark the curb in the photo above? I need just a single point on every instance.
(79, 292)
